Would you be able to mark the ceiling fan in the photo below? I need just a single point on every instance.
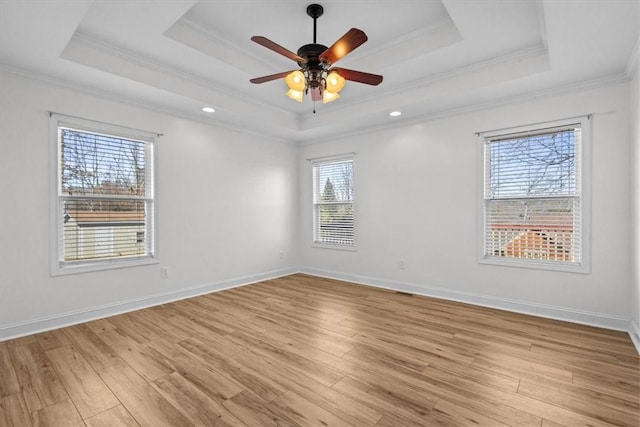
(316, 75)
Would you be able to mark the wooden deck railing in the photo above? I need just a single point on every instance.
(552, 243)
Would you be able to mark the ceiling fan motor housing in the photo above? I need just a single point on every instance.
(310, 53)
(313, 67)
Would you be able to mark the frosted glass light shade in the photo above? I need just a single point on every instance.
(295, 80)
(295, 94)
(335, 82)
(329, 96)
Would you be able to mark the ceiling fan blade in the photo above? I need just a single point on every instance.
(263, 41)
(359, 76)
(347, 43)
(264, 79)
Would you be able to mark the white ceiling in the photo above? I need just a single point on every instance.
(437, 56)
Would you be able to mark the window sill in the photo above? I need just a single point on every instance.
(94, 266)
(336, 247)
(537, 265)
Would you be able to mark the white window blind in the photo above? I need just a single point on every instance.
(105, 196)
(532, 196)
(333, 206)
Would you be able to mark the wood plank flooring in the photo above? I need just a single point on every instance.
(306, 351)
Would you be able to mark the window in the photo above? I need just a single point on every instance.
(103, 200)
(333, 210)
(534, 198)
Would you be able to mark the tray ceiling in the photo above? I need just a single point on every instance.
(436, 56)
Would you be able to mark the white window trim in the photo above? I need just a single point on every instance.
(584, 267)
(55, 269)
(327, 159)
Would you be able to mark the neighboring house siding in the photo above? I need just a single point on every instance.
(89, 237)
(71, 240)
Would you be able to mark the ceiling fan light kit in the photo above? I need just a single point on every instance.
(316, 75)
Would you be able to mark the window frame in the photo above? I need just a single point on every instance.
(323, 161)
(58, 267)
(583, 176)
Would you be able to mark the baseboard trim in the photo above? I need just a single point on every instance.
(541, 310)
(634, 333)
(47, 323)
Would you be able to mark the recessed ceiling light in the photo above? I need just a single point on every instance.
(395, 113)
(208, 109)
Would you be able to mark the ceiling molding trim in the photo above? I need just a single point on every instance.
(610, 80)
(542, 23)
(444, 30)
(601, 82)
(517, 56)
(173, 33)
(419, 40)
(633, 61)
(138, 103)
(128, 56)
(122, 63)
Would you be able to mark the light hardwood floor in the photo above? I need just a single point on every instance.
(305, 351)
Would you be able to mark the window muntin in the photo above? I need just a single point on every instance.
(104, 201)
(533, 197)
(333, 203)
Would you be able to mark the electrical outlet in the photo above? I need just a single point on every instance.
(164, 272)
(401, 264)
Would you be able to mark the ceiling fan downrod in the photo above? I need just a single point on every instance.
(315, 11)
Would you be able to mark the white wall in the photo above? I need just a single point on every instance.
(417, 196)
(229, 203)
(226, 202)
(635, 161)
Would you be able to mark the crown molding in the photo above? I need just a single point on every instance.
(419, 40)
(634, 59)
(93, 43)
(542, 23)
(215, 39)
(515, 57)
(135, 58)
(605, 81)
(89, 51)
(445, 29)
(139, 103)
